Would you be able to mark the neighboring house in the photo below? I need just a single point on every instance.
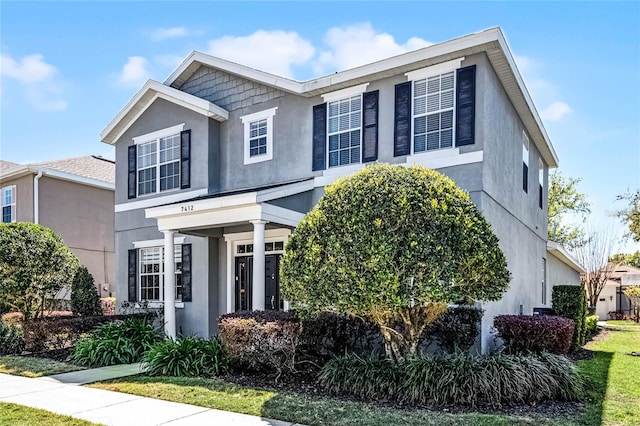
(74, 197)
(612, 297)
(218, 164)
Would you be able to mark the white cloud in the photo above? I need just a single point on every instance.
(555, 111)
(134, 72)
(38, 78)
(360, 44)
(272, 51)
(160, 34)
(169, 60)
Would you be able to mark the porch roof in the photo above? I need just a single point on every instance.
(231, 208)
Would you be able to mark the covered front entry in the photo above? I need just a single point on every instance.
(244, 283)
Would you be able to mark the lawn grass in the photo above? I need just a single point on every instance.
(218, 394)
(623, 324)
(19, 415)
(612, 379)
(34, 367)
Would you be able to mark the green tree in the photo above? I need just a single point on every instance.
(394, 245)
(34, 265)
(633, 293)
(630, 259)
(564, 199)
(631, 214)
(85, 300)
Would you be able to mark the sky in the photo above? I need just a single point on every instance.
(67, 68)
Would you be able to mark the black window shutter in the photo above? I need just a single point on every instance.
(370, 126)
(133, 275)
(186, 273)
(133, 156)
(402, 120)
(465, 105)
(319, 136)
(525, 177)
(540, 191)
(185, 159)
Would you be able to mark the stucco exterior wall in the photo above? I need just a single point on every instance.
(24, 196)
(560, 273)
(83, 216)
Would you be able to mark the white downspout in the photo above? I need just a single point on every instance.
(36, 206)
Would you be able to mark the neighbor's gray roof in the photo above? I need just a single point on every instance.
(89, 166)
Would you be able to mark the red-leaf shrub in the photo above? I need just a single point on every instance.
(522, 334)
(58, 332)
(12, 317)
(261, 339)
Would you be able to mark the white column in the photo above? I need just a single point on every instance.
(258, 265)
(231, 287)
(169, 285)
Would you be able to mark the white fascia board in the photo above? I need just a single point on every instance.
(18, 172)
(210, 218)
(527, 97)
(145, 97)
(201, 205)
(563, 255)
(79, 179)
(282, 83)
(345, 93)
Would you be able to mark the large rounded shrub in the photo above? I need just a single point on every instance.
(393, 244)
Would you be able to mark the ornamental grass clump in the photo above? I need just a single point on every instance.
(459, 379)
(117, 342)
(186, 356)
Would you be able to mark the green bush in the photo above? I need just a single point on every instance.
(85, 300)
(458, 378)
(11, 339)
(591, 324)
(187, 356)
(117, 342)
(570, 301)
(456, 329)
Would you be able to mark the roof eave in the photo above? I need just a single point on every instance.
(144, 97)
(563, 255)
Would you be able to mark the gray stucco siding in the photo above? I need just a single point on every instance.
(560, 272)
(163, 114)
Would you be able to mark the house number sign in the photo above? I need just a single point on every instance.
(187, 208)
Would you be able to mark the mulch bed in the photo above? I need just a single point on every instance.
(61, 355)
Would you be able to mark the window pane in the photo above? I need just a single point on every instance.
(420, 88)
(420, 143)
(433, 141)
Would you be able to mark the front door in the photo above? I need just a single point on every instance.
(244, 283)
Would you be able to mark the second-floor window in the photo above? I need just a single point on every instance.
(540, 183)
(258, 136)
(525, 162)
(9, 204)
(344, 118)
(433, 106)
(159, 165)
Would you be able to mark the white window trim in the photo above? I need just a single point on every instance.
(525, 148)
(348, 95)
(155, 137)
(148, 137)
(540, 172)
(252, 118)
(154, 303)
(13, 202)
(345, 93)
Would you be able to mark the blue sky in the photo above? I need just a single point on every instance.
(69, 67)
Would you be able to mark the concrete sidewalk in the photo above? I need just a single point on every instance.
(62, 395)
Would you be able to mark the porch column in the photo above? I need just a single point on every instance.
(258, 265)
(169, 285)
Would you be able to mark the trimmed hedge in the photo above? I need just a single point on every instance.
(51, 333)
(458, 378)
(187, 356)
(524, 334)
(261, 339)
(570, 301)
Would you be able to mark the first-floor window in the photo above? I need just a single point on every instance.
(9, 204)
(151, 277)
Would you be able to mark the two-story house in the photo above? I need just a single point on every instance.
(74, 197)
(217, 165)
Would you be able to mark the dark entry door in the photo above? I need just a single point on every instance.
(244, 276)
(272, 282)
(244, 283)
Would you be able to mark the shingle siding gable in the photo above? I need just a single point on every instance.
(228, 91)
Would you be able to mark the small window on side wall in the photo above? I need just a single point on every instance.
(525, 162)
(258, 136)
(540, 183)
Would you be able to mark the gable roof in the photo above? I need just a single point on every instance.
(144, 97)
(492, 42)
(90, 170)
